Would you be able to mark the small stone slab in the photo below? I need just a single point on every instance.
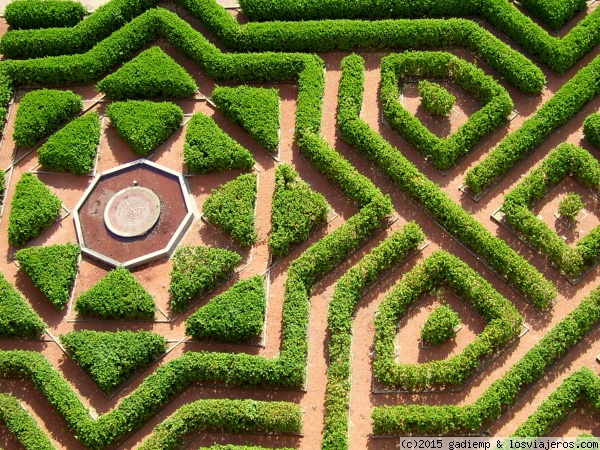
(132, 211)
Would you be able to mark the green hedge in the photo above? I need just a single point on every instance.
(496, 103)
(591, 129)
(563, 106)
(295, 211)
(197, 270)
(33, 208)
(562, 162)
(435, 202)
(256, 110)
(117, 296)
(144, 125)
(440, 325)
(231, 208)
(503, 323)
(74, 147)
(207, 148)
(25, 427)
(348, 292)
(237, 315)
(570, 206)
(32, 14)
(151, 74)
(41, 112)
(554, 13)
(452, 420)
(111, 358)
(52, 268)
(17, 319)
(436, 99)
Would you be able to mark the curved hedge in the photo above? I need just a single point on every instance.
(34, 14)
(17, 319)
(19, 421)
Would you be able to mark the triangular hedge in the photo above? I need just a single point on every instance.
(296, 210)
(209, 148)
(196, 270)
(74, 147)
(117, 296)
(231, 208)
(111, 357)
(33, 208)
(52, 269)
(143, 124)
(237, 315)
(41, 113)
(151, 74)
(17, 319)
(256, 110)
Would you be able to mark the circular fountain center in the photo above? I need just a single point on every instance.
(132, 211)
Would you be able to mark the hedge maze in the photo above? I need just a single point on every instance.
(301, 307)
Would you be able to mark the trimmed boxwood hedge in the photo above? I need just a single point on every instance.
(17, 319)
(256, 110)
(439, 326)
(295, 211)
(237, 315)
(74, 147)
(19, 421)
(496, 103)
(33, 208)
(151, 74)
(207, 148)
(435, 98)
(554, 13)
(434, 201)
(144, 125)
(41, 112)
(111, 358)
(117, 296)
(231, 208)
(591, 129)
(34, 14)
(503, 324)
(52, 268)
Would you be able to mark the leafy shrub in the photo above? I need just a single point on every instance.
(117, 296)
(23, 425)
(151, 74)
(256, 110)
(144, 125)
(33, 208)
(570, 206)
(197, 270)
(591, 129)
(435, 98)
(237, 315)
(73, 148)
(209, 148)
(296, 210)
(28, 14)
(52, 268)
(231, 208)
(555, 13)
(2, 185)
(41, 113)
(110, 358)
(17, 319)
(440, 325)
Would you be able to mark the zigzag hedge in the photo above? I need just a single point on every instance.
(20, 422)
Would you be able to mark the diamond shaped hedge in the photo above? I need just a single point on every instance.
(566, 160)
(441, 268)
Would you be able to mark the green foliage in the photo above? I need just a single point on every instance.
(237, 315)
(254, 109)
(209, 148)
(591, 129)
(435, 98)
(197, 270)
(496, 103)
(33, 208)
(570, 206)
(231, 208)
(17, 319)
(2, 185)
(435, 202)
(296, 210)
(19, 421)
(33, 14)
(439, 326)
(52, 268)
(554, 13)
(144, 125)
(41, 113)
(117, 296)
(73, 148)
(110, 358)
(151, 74)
